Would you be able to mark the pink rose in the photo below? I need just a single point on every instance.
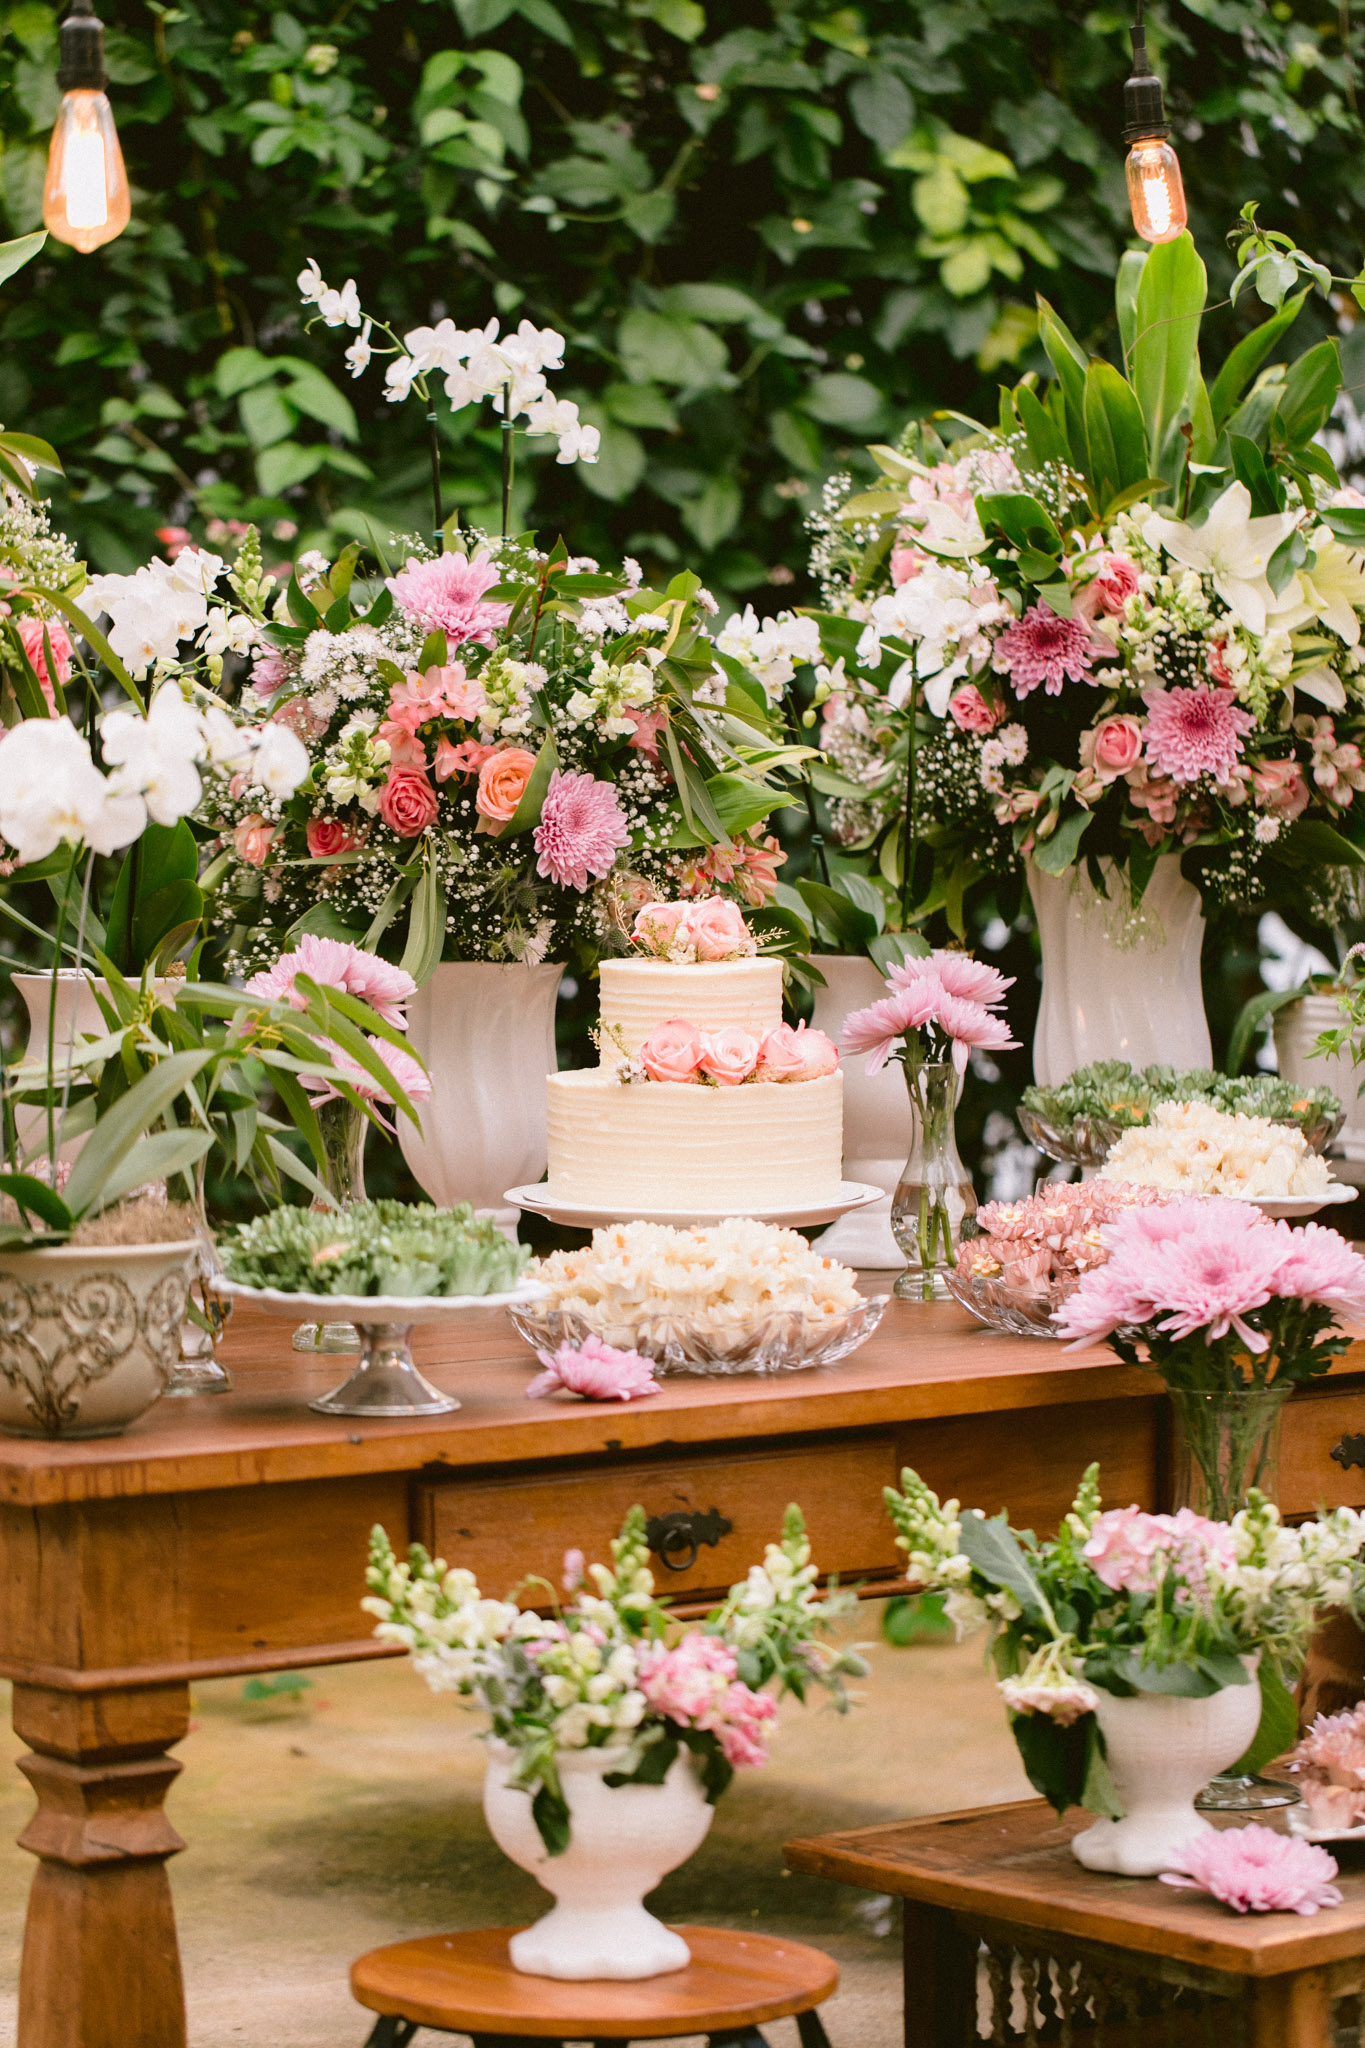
(1112, 747)
(717, 929)
(465, 759)
(729, 1056)
(672, 1052)
(905, 563)
(502, 782)
(656, 926)
(1280, 787)
(59, 640)
(407, 803)
(970, 712)
(328, 837)
(252, 840)
(1115, 584)
(800, 1055)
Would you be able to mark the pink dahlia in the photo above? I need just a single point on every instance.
(446, 594)
(582, 828)
(1043, 648)
(333, 964)
(597, 1371)
(1195, 732)
(1256, 1870)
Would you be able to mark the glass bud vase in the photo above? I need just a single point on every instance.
(935, 1195)
(199, 1370)
(344, 1129)
(1226, 1442)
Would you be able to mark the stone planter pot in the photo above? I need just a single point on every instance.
(487, 1035)
(1297, 1027)
(1118, 984)
(88, 1335)
(623, 1841)
(78, 1016)
(878, 1125)
(1162, 1750)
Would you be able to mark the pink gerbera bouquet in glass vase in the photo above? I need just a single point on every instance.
(938, 1007)
(1233, 1311)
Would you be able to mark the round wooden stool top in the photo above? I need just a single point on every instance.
(465, 1984)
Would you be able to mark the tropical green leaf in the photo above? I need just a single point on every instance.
(1115, 440)
(1170, 303)
(120, 1128)
(1246, 359)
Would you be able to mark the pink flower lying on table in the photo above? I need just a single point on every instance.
(595, 1370)
(1255, 1870)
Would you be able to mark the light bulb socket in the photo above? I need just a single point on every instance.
(1144, 106)
(80, 66)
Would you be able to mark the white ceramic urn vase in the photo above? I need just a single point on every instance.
(623, 1841)
(1162, 1750)
(487, 1035)
(878, 1125)
(1118, 983)
(89, 1334)
(1297, 1028)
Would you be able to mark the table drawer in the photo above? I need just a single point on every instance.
(1314, 1425)
(711, 1515)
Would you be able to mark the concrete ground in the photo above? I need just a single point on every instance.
(322, 1824)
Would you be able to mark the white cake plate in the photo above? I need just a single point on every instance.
(1305, 1205)
(386, 1382)
(543, 1201)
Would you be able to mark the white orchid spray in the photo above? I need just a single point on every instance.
(475, 363)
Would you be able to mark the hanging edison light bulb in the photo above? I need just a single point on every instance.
(1156, 191)
(85, 198)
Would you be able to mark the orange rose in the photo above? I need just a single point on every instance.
(502, 782)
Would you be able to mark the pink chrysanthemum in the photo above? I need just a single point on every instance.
(974, 980)
(582, 828)
(1321, 1266)
(1256, 1870)
(597, 1371)
(446, 594)
(1043, 648)
(876, 1029)
(970, 1024)
(1195, 732)
(333, 964)
(408, 1074)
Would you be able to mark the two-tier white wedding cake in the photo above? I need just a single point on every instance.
(703, 1099)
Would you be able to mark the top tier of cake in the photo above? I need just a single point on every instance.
(636, 995)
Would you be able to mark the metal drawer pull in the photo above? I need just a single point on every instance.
(677, 1537)
(1350, 1451)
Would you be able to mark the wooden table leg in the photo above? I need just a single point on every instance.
(1293, 2011)
(940, 1979)
(101, 1966)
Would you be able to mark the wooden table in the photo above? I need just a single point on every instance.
(228, 1535)
(999, 1915)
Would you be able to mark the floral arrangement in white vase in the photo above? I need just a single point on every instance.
(1129, 1646)
(613, 1728)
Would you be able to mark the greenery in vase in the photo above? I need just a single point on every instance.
(374, 1248)
(1124, 1602)
(609, 1668)
(1111, 1092)
(1124, 622)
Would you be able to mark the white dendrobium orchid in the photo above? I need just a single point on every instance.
(155, 609)
(1235, 550)
(1334, 588)
(357, 357)
(154, 757)
(52, 793)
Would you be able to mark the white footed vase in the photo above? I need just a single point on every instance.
(1118, 983)
(878, 1125)
(487, 1035)
(1297, 1028)
(623, 1841)
(1162, 1750)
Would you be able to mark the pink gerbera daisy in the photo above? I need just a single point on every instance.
(1195, 732)
(446, 595)
(408, 1074)
(582, 828)
(1043, 648)
(974, 980)
(332, 963)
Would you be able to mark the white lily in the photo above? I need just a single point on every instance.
(1334, 588)
(1231, 547)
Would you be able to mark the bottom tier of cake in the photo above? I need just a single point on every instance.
(674, 1145)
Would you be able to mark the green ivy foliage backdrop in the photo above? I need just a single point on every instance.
(769, 230)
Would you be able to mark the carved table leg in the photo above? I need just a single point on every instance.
(101, 1965)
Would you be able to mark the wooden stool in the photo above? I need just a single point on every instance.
(1008, 1939)
(464, 1984)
